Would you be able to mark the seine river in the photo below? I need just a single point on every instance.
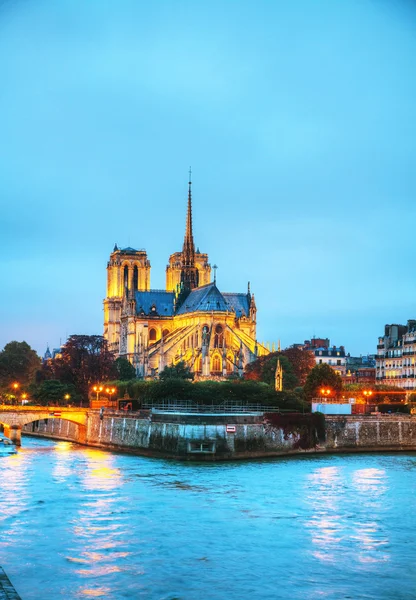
(81, 523)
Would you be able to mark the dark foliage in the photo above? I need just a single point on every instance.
(178, 371)
(125, 370)
(85, 361)
(309, 428)
(322, 376)
(18, 363)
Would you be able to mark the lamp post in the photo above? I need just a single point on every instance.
(325, 392)
(15, 387)
(67, 397)
(367, 395)
(24, 397)
(98, 389)
(110, 391)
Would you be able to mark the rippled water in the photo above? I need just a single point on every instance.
(79, 523)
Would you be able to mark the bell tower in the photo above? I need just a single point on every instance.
(128, 271)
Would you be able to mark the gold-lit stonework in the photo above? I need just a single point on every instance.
(191, 321)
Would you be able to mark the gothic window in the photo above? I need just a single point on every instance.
(165, 333)
(196, 340)
(219, 337)
(135, 278)
(126, 277)
(198, 365)
(152, 335)
(216, 364)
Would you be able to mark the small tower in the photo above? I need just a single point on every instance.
(278, 377)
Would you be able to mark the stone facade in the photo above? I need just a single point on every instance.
(227, 437)
(396, 356)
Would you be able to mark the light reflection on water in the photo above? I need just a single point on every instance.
(89, 523)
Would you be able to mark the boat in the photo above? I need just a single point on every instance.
(7, 447)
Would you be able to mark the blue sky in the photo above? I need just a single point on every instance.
(299, 121)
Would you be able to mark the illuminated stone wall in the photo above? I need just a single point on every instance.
(230, 437)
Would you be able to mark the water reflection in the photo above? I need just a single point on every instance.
(343, 504)
(87, 523)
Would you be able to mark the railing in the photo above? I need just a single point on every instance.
(195, 408)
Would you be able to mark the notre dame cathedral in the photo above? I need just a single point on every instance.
(213, 332)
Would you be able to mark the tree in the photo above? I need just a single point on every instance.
(322, 376)
(19, 363)
(302, 361)
(178, 371)
(264, 369)
(85, 360)
(53, 391)
(125, 370)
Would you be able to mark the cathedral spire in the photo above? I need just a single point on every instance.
(189, 274)
(188, 242)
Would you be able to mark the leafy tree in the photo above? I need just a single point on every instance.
(302, 361)
(53, 391)
(178, 371)
(85, 360)
(322, 376)
(18, 363)
(125, 370)
(264, 369)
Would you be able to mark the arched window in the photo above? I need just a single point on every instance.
(198, 365)
(126, 277)
(135, 278)
(230, 363)
(216, 364)
(165, 333)
(219, 337)
(152, 335)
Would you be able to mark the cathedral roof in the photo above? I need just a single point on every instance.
(161, 301)
(240, 303)
(208, 298)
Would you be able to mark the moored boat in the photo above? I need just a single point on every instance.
(7, 447)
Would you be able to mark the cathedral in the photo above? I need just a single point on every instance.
(213, 332)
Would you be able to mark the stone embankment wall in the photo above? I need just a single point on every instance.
(220, 438)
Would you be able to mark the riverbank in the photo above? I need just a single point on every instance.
(231, 437)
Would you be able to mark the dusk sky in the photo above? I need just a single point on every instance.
(298, 119)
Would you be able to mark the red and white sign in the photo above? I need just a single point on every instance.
(230, 428)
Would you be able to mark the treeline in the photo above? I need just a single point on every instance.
(85, 361)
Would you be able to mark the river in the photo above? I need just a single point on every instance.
(81, 523)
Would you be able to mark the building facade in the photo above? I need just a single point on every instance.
(396, 354)
(325, 354)
(213, 332)
(361, 369)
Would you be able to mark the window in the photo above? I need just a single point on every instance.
(206, 447)
(216, 364)
(165, 333)
(219, 337)
(152, 335)
(338, 361)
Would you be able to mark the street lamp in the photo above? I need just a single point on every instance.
(368, 394)
(98, 389)
(110, 391)
(24, 397)
(15, 387)
(67, 397)
(325, 392)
